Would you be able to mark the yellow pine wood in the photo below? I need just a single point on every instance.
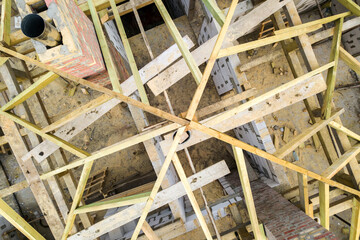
(292, 32)
(324, 205)
(114, 203)
(303, 192)
(345, 130)
(5, 25)
(150, 234)
(352, 62)
(355, 220)
(245, 185)
(17, 221)
(129, 54)
(331, 76)
(351, 5)
(27, 93)
(341, 162)
(110, 65)
(214, 9)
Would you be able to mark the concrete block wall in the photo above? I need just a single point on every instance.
(282, 219)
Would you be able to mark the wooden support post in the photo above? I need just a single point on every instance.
(150, 234)
(324, 205)
(341, 162)
(5, 25)
(110, 65)
(245, 185)
(345, 130)
(129, 54)
(27, 93)
(303, 192)
(352, 62)
(355, 220)
(331, 76)
(18, 222)
(351, 5)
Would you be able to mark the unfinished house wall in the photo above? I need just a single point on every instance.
(225, 77)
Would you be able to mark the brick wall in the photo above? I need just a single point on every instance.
(283, 219)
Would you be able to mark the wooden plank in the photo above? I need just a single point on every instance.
(150, 234)
(267, 95)
(215, 11)
(331, 76)
(110, 65)
(99, 5)
(114, 203)
(5, 25)
(352, 62)
(165, 196)
(309, 132)
(113, 148)
(27, 93)
(18, 222)
(324, 205)
(355, 220)
(189, 59)
(245, 185)
(292, 32)
(32, 176)
(351, 5)
(303, 192)
(79, 111)
(127, 7)
(345, 130)
(227, 102)
(201, 54)
(210, 64)
(333, 193)
(341, 162)
(129, 54)
(13, 188)
(338, 206)
(233, 141)
(97, 87)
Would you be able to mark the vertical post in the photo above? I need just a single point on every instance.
(303, 192)
(245, 184)
(324, 205)
(355, 220)
(5, 22)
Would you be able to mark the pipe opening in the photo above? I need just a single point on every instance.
(32, 25)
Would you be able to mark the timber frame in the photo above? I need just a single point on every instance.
(325, 129)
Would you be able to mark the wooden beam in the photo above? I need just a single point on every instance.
(150, 234)
(245, 185)
(114, 203)
(352, 62)
(351, 5)
(355, 220)
(233, 141)
(303, 192)
(79, 111)
(333, 193)
(190, 61)
(273, 92)
(27, 93)
(292, 32)
(331, 76)
(338, 206)
(18, 222)
(99, 5)
(309, 132)
(129, 54)
(345, 130)
(341, 162)
(165, 196)
(215, 11)
(127, 7)
(324, 205)
(110, 65)
(5, 25)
